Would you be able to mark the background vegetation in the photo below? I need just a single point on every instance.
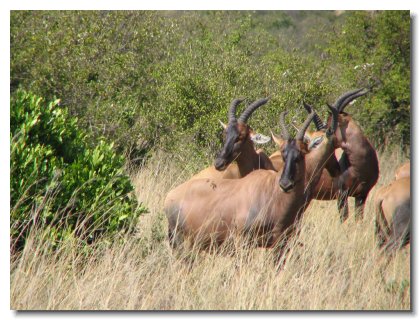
(150, 80)
(102, 101)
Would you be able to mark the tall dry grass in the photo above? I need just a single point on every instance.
(332, 266)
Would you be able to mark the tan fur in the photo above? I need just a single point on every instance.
(210, 209)
(277, 161)
(387, 200)
(321, 192)
(231, 172)
(276, 158)
(403, 171)
(247, 161)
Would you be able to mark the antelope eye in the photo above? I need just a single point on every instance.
(315, 142)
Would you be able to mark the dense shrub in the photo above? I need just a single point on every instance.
(148, 79)
(58, 181)
(374, 48)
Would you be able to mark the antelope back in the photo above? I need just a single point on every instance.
(403, 171)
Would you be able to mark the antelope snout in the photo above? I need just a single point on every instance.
(286, 185)
(220, 164)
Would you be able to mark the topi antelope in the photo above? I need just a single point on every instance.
(264, 205)
(358, 163)
(393, 214)
(239, 147)
(403, 171)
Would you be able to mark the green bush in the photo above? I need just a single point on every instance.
(373, 48)
(58, 181)
(149, 80)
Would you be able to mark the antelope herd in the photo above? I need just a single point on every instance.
(263, 198)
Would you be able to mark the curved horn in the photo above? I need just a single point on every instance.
(344, 96)
(284, 133)
(350, 99)
(250, 109)
(334, 122)
(232, 109)
(317, 120)
(300, 135)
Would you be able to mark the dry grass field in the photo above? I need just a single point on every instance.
(331, 266)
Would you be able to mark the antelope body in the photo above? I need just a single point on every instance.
(264, 204)
(393, 214)
(403, 171)
(358, 162)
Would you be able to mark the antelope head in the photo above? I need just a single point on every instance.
(315, 138)
(294, 151)
(344, 119)
(238, 135)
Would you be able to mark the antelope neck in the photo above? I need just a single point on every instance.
(315, 161)
(248, 160)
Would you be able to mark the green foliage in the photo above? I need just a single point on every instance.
(149, 80)
(374, 48)
(58, 181)
(97, 62)
(203, 77)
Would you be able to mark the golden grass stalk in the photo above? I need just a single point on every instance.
(331, 266)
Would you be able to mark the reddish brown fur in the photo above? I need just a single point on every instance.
(359, 165)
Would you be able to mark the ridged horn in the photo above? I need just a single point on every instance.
(317, 120)
(351, 98)
(284, 133)
(232, 109)
(334, 122)
(301, 134)
(344, 96)
(250, 109)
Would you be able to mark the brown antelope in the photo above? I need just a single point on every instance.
(239, 147)
(403, 171)
(264, 205)
(358, 163)
(393, 214)
(277, 160)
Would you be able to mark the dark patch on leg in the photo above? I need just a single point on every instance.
(344, 163)
(400, 227)
(380, 237)
(343, 207)
(176, 223)
(258, 229)
(359, 205)
(343, 195)
(251, 219)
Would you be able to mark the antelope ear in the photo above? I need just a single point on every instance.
(223, 125)
(279, 141)
(259, 138)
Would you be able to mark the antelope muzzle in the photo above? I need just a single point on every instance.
(286, 184)
(220, 163)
